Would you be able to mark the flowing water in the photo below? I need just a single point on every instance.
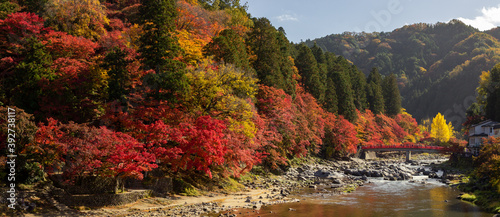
(380, 198)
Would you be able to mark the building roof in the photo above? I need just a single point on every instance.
(490, 125)
(486, 122)
(480, 135)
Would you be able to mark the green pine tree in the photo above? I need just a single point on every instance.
(229, 47)
(310, 74)
(358, 82)
(374, 92)
(318, 54)
(345, 97)
(263, 42)
(331, 102)
(287, 65)
(375, 76)
(23, 89)
(34, 6)
(273, 64)
(322, 63)
(119, 78)
(159, 48)
(392, 98)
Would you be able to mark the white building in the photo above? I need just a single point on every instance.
(482, 130)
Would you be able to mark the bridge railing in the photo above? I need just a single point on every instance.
(405, 147)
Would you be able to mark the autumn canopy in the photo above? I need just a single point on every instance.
(117, 88)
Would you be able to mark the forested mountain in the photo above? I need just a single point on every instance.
(437, 65)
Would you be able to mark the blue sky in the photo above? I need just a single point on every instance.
(317, 18)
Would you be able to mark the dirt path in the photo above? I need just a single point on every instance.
(185, 204)
(150, 206)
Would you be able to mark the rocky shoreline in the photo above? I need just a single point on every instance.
(320, 177)
(323, 177)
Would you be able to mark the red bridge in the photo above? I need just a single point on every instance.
(407, 148)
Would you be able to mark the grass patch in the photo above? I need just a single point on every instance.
(488, 199)
(465, 179)
(349, 188)
(190, 191)
(119, 191)
(81, 208)
(259, 171)
(230, 185)
(495, 206)
(184, 188)
(482, 194)
(248, 177)
(25, 187)
(469, 197)
(304, 160)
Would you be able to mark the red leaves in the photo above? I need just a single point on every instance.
(61, 44)
(185, 143)
(290, 128)
(383, 130)
(407, 122)
(73, 93)
(193, 18)
(310, 121)
(203, 144)
(19, 26)
(340, 136)
(275, 107)
(69, 93)
(15, 30)
(391, 132)
(22, 24)
(229, 138)
(88, 151)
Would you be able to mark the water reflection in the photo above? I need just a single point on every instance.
(381, 199)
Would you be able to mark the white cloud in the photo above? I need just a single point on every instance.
(287, 17)
(490, 18)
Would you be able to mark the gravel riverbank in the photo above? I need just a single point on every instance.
(321, 177)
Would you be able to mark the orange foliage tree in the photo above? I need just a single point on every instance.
(488, 162)
(383, 130)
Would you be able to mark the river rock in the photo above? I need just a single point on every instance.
(337, 181)
(336, 185)
(433, 175)
(405, 176)
(377, 174)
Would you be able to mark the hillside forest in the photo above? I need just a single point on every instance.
(437, 66)
(197, 88)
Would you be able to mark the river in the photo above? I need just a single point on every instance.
(379, 198)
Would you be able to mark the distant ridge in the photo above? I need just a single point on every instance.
(437, 65)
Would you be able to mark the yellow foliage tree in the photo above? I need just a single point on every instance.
(224, 91)
(240, 21)
(482, 89)
(425, 125)
(192, 46)
(440, 130)
(85, 18)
